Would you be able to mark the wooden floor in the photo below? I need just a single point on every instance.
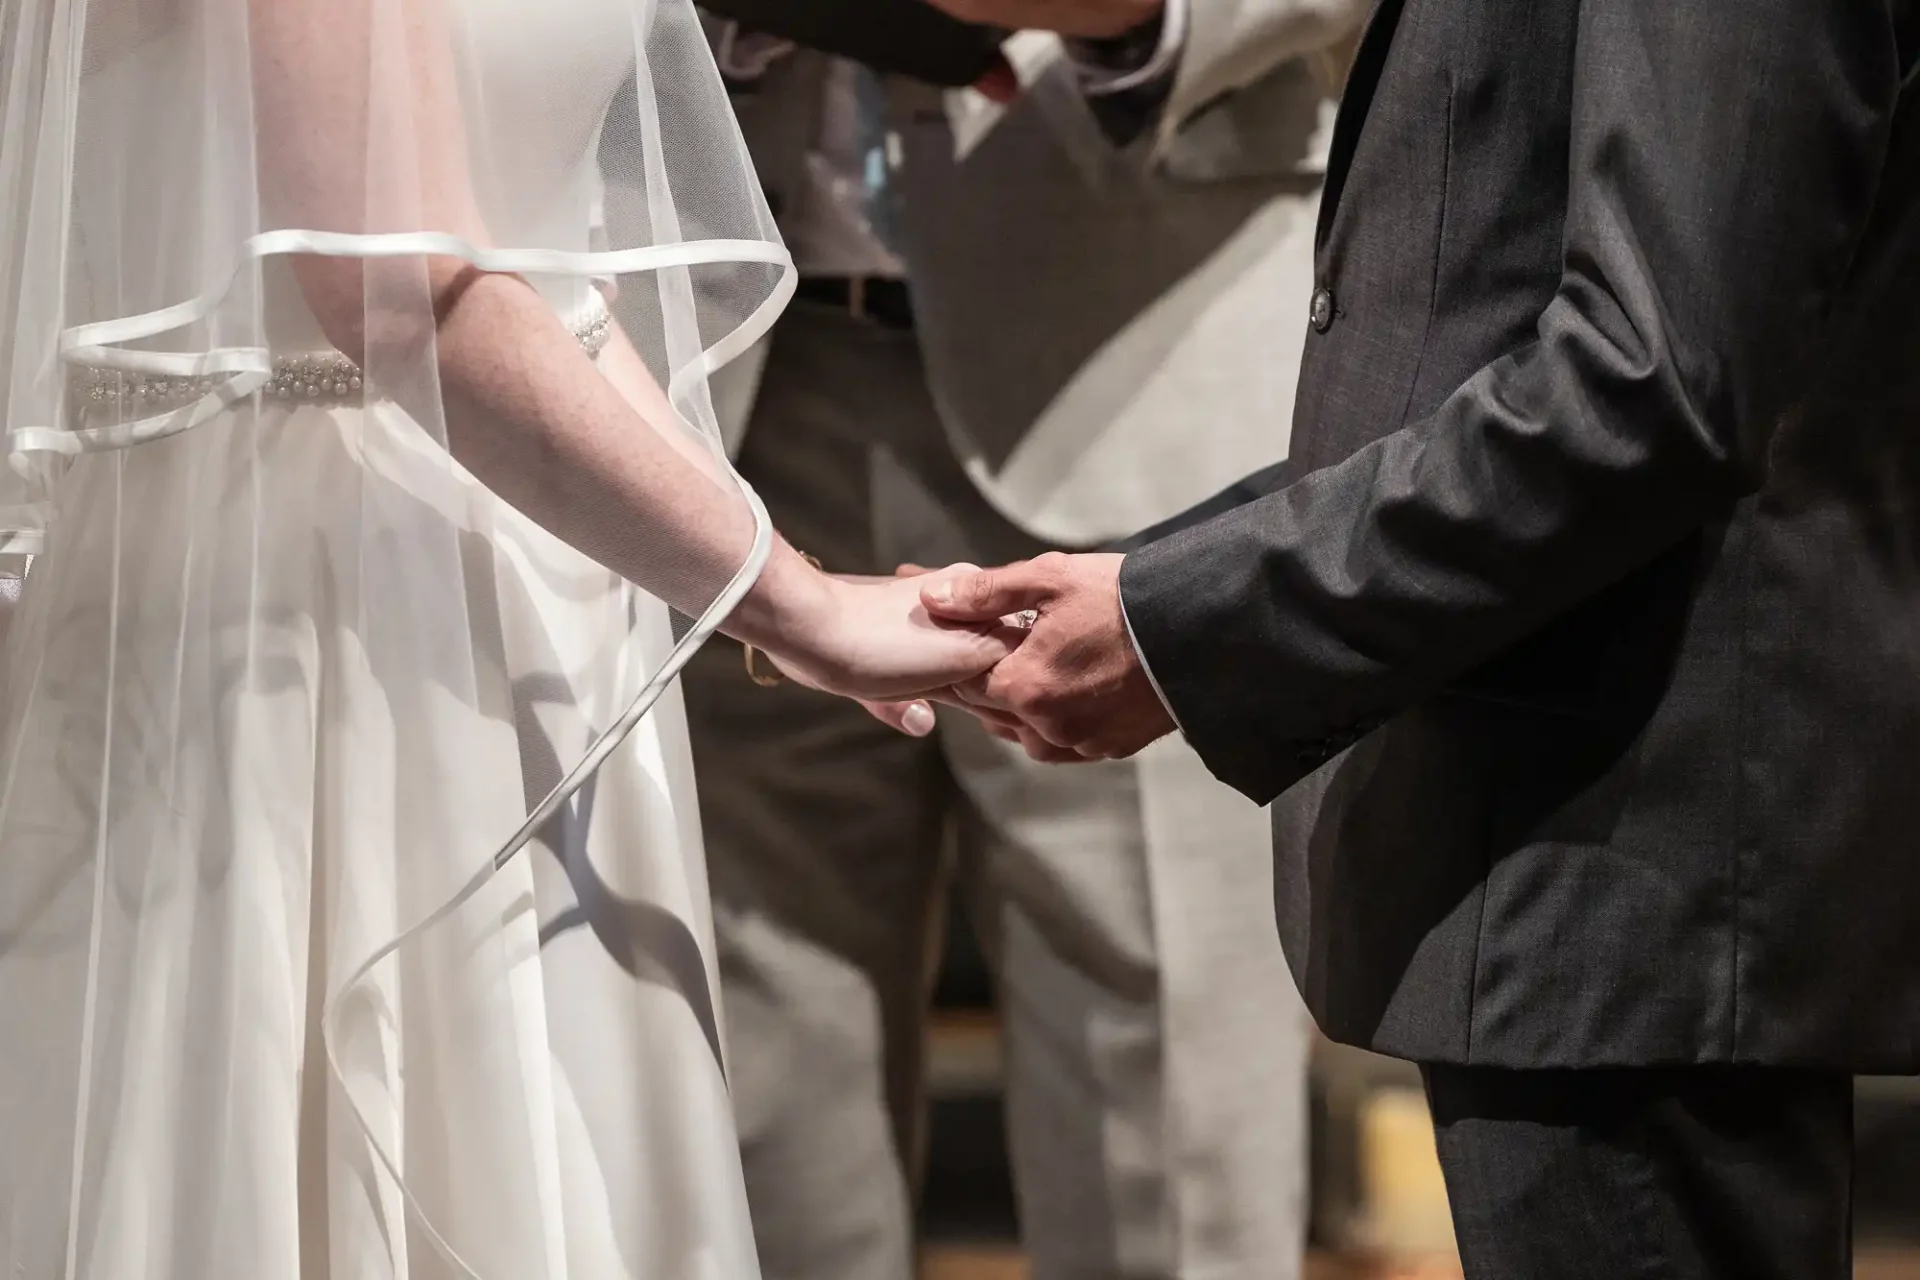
(987, 1264)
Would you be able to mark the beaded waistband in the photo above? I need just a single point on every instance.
(322, 378)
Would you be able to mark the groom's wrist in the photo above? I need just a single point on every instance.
(1146, 667)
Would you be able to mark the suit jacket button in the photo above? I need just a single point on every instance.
(1320, 310)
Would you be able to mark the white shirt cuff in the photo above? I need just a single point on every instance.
(1096, 79)
(1141, 656)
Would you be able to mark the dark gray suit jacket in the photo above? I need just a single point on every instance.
(1580, 640)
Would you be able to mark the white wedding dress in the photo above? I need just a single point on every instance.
(283, 681)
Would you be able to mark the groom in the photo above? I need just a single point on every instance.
(1578, 646)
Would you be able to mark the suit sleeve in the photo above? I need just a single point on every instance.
(1711, 221)
(895, 37)
(1238, 494)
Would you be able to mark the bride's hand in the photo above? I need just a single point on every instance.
(872, 640)
(868, 639)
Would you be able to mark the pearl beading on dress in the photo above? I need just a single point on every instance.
(326, 378)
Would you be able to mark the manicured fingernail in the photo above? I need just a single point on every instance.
(918, 720)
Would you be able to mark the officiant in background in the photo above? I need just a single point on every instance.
(1034, 315)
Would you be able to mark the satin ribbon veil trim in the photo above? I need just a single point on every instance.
(96, 344)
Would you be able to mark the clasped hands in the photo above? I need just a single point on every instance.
(1048, 663)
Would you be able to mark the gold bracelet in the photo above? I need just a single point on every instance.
(765, 679)
(770, 679)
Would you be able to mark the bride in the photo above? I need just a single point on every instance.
(353, 353)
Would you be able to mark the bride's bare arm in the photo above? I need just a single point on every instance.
(525, 408)
(529, 414)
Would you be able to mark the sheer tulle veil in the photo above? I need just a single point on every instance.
(269, 612)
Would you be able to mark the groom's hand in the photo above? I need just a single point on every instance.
(1074, 686)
